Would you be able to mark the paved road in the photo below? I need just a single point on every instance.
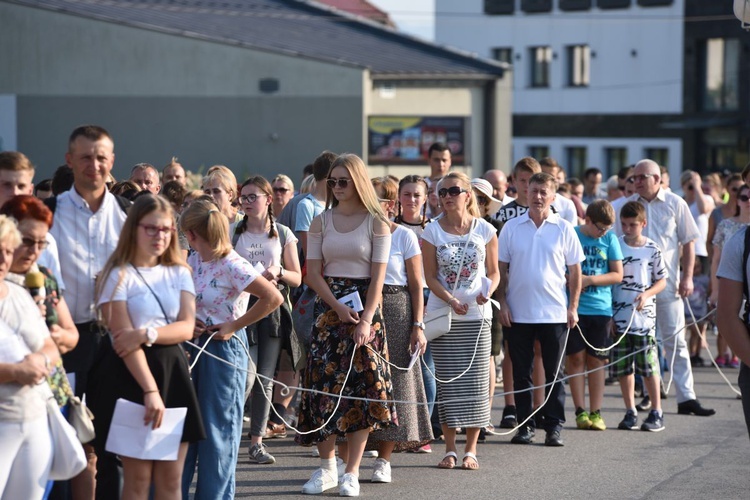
(695, 457)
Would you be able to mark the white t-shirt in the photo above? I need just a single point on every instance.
(642, 267)
(219, 287)
(566, 209)
(448, 250)
(166, 281)
(258, 248)
(404, 246)
(537, 259)
(701, 220)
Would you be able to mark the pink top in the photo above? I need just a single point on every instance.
(348, 254)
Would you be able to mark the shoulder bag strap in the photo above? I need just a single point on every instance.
(163, 311)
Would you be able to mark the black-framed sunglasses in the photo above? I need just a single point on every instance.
(342, 182)
(453, 191)
(482, 200)
(250, 198)
(281, 190)
(744, 198)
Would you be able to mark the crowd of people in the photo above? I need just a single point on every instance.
(200, 299)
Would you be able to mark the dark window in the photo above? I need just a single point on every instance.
(719, 60)
(541, 59)
(503, 54)
(536, 5)
(578, 65)
(616, 159)
(575, 158)
(499, 7)
(575, 4)
(613, 4)
(659, 155)
(539, 152)
(654, 3)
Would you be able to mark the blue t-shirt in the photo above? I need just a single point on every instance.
(597, 300)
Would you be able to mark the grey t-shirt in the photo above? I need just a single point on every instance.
(731, 265)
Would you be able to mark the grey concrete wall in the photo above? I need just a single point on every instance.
(250, 135)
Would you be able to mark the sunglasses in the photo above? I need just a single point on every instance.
(281, 190)
(482, 200)
(342, 182)
(641, 177)
(31, 243)
(453, 191)
(154, 230)
(250, 198)
(744, 198)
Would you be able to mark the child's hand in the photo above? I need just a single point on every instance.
(585, 281)
(640, 301)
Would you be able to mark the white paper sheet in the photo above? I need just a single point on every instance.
(414, 356)
(353, 300)
(129, 437)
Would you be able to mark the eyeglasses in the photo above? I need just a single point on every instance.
(641, 177)
(602, 229)
(281, 190)
(630, 180)
(482, 200)
(744, 198)
(29, 243)
(154, 230)
(621, 188)
(734, 189)
(453, 191)
(250, 198)
(342, 182)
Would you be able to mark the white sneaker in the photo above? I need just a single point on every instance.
(349, 486)
(340, 468)
(381, 471)
(320, 481)
(370, 454)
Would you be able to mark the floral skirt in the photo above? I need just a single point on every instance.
(328, 361)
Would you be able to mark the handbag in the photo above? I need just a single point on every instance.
(81, 419)
(68, 459)
(438, 321)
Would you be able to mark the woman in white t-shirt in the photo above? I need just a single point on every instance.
(461, 248)
(223, 284)
(259, 239)
(147, 300)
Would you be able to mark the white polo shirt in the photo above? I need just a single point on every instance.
(566, 209)
(537, 259)
(85, 241)
(670, 224)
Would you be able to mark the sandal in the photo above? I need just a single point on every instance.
(448, 461)
(470, 461)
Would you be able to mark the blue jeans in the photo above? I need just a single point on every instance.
(221, 396)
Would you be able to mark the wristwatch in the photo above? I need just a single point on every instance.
(419, 325)
(151, 336)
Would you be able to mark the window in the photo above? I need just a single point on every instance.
(503, 54)
(719, 60)
(579, 61)
(536, 5)
(498, 7)
(575, 4)
(659, 155)
(575, 159)
(654, 3)
(541, 58)
(539, 152)
(613, 4)
(616, 158)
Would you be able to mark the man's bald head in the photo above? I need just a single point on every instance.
(647, 176)
(499, 182)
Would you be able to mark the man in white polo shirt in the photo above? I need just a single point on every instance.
(535, 250)
(673, 228)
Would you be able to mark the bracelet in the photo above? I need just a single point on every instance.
(149, 392)
(363, 320)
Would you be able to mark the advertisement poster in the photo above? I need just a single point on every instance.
(404, 140)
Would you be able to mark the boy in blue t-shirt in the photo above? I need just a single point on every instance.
(601, 269)
(634, 306)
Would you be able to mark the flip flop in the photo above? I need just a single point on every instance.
(470, 465)
(448, 461)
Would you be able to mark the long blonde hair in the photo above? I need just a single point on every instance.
(205, 219)
(472, 207)
(362, 185)
(127, 245)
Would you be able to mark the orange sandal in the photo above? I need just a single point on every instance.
(448, 461)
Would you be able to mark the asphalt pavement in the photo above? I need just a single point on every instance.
(694, 457)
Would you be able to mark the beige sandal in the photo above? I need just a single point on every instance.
(470, 461)
(449, 461)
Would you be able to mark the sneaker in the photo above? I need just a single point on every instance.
(349, 486)
(509, 420)
(340, 468)
(381, 472)
(630, 421)
(653, 423)
(582, 419)
(721, 361)
(315, 452)
(525, 435)
(320, 481)
(260, 455)
(597, 422)
(734, 363)
(422, 449)
(370, 454)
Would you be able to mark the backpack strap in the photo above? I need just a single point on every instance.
(746, 290)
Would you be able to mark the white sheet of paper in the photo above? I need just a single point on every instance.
(259, 267)
(129, 437)
(414, 357)
(486, 285)
(352, 300)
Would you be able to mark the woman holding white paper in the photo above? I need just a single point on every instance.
(147, 300)
(348, 247)
(272, 249)
(460, 265)
(223, 284)
(27, 353)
